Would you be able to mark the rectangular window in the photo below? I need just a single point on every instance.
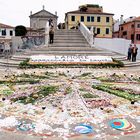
(125, 33)
(72, 18)
(121, 28)
(132, 26)
(82, 18)
(138, 36)
(107, 31)
(138, 25)
(98, 31)
(3, 32)
(92, 19)
(107, 19)
(11, 33)
(88, 18)
(98, 19)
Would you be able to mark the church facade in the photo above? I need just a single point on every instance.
(38, 20)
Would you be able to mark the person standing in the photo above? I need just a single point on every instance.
(50, 21)
(51, 34)
(129, 52)
(134, 53)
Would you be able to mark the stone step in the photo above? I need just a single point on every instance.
(4, 61)
(120, 58)
(66, 49)
(18, 59)
(69, 45)
(69, 41)
(10, 64)
(70, 52)
(67, 33)
(68, 38)
(131, 63)
(77, 35)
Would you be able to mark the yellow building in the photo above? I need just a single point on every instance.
(91, 15)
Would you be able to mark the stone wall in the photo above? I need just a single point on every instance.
(118, 45)
(27, 42)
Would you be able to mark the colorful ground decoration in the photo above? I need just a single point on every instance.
(23, 126)
(83, 129)
(52, 102)
(121, 124)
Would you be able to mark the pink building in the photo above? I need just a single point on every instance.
(130, 30)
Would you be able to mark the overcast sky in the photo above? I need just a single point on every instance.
(16, 12)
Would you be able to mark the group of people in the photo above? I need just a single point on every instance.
(51, 31)
(132, 52)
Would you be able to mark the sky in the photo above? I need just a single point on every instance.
(17, 12)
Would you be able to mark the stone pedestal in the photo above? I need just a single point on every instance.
(47, 34)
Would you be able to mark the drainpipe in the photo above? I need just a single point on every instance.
(134, 32)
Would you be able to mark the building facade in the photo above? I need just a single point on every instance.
(130, 30)
(39, 19)
(6, 34)
(91, 15)
(6, 31)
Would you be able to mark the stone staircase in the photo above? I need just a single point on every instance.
(131, 64)
(66, 42)
(69, 38)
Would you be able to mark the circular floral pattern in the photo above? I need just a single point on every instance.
(121, 124)
(23, 126)
(83, 129)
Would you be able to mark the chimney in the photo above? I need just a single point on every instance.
(121, 19)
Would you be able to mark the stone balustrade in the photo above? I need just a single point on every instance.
(88, 34)
(47, 34)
